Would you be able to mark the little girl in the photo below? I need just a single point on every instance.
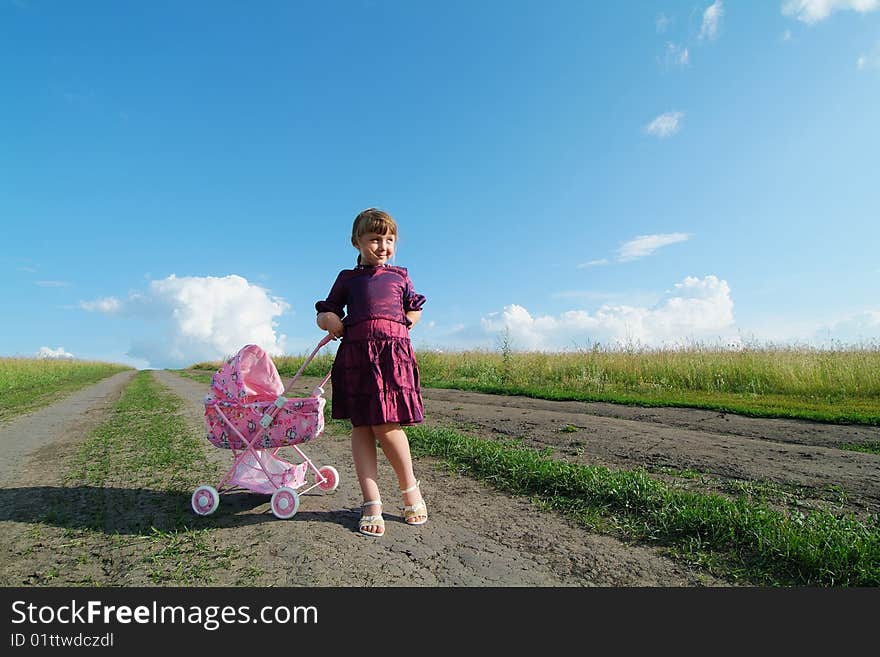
(375, 376)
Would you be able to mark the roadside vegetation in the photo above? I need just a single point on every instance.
(29, 383)
(828, 385)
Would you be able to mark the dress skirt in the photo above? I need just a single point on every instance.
(375, 376)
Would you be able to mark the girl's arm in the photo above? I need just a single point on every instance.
(331, 310)
(412, 302)
(331, 323)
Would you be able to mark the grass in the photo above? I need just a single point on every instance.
(737, 538)
(870, 447)
(200, 376)
(29, 383)
(831, 385)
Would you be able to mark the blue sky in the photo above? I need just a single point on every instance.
(179, 179)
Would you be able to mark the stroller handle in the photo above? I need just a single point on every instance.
(308, 360)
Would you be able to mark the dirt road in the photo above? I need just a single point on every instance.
(23, 436)
(476, 536)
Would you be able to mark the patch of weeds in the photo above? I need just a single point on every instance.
(186, 558)
(334, 427)
(836, 493)
(869, 447)
(569, 428)
(337, 427)
(249, 575)
(202, 376)
(51, 573)
(787, 495)
(576, 448)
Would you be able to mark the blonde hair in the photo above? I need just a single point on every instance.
(372, 220)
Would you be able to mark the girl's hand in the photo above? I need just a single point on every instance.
(331, 323)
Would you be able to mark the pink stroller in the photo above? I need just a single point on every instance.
(248, 413)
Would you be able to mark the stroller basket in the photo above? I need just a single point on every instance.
(248, 413)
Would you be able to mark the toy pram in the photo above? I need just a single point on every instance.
(248, 413)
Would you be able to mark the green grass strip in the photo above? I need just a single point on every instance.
(751, 540)
(146, 442)
(869, 447)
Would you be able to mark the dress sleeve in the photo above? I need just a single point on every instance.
(411, 299)
(335, 301)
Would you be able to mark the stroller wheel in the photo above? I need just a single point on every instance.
(205, 500)
(284, 502)
(331, 478)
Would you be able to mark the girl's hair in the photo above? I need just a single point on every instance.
(372, 220)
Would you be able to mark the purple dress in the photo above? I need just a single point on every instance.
(375, 376)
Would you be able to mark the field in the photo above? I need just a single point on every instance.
(28, 383)
(559, 484)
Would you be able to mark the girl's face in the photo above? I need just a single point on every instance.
(376, 249)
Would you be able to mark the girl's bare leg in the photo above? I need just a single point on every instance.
(363, 451)
(396, 447)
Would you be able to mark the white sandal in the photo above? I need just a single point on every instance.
(371, 521)
(417, 510)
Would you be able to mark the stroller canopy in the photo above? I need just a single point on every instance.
(249, 376)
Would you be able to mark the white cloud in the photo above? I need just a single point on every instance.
(698, 309)
(53, 283)
(46, 352)
(711, 20)
(645, 245)
(105, 305)
(786, 36)
(676, 56)
(664, 125)
(683, 57)
(662, 23)
(201, 318)
(813, 11)
(593, 263)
